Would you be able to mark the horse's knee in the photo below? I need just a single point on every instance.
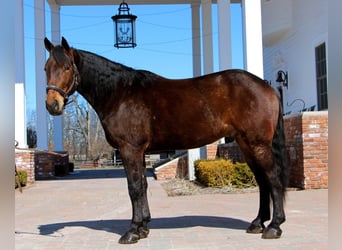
(137, 185)
(135, 191)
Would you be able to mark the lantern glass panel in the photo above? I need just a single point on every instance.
(124, 31)
(124, 25)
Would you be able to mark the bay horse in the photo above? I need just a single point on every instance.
(142, 112)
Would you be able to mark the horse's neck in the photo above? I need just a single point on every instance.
(103, 81)
(97, 79)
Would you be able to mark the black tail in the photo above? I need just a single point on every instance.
(279, 150)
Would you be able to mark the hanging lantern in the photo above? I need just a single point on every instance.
(124, 28)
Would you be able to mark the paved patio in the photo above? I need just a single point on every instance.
(91, 209)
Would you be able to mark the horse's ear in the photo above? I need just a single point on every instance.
(65, 44)
(48, 45)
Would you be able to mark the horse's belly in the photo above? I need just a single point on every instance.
(189, 139)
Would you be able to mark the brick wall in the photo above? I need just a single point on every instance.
(48, 165)
(24, 160)
(307, 146)
(44, 165)
(41, 165)
(315, 149)
(212, 150)
(294, 147)
(177, 168)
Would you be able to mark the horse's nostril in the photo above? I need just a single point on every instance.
(55, 105)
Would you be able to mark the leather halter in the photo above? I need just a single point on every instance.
(72, 87)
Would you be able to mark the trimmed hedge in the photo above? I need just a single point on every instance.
(22, 174)
(221, 172)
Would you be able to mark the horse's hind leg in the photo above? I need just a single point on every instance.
(137, 186)
(267, 173)
(264, 214)
(278, 196)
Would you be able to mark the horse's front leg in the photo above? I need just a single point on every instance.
(134, 162)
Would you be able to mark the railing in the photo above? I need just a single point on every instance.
(311, 108)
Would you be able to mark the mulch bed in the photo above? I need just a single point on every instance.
(179, 187)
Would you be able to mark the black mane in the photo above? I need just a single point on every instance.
(124, 74)
(101, 77)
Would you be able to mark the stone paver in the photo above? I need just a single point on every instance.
(91, 209)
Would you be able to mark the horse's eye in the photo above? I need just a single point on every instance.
(66, 68)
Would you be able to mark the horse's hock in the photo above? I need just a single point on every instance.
(307, 151)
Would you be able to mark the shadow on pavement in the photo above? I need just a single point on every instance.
(98, 173)
(120, 226)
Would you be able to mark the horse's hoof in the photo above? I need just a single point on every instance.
(143, 232)
(271, 233)
(129, 238)
(255, 229)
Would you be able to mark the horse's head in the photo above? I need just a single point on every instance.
(62, 75)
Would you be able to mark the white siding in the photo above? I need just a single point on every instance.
(295, 51)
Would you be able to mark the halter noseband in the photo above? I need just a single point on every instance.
(73, 85)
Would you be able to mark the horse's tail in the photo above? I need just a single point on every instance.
(279, 150)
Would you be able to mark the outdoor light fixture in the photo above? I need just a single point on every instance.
(124, 27)
(282, 78)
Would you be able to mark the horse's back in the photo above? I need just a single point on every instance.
(197, 111)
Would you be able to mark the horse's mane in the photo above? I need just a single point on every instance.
(131, 76)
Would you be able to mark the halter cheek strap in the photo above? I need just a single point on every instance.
(73, 85)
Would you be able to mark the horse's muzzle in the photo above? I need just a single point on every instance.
(53, 108)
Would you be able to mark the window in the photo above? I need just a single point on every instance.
(321, 77)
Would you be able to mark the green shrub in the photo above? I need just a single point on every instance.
(22, 174)
(243, 176)
(220, 173)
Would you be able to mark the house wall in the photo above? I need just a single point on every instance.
(291, 31)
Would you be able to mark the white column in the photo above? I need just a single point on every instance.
(20, 100)
(55, 38)
(39, 25)
(208, 67)
(196, 40)
(207, 46)
(252, 30)
(207, 37)
(194, 154)
(224, 35)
